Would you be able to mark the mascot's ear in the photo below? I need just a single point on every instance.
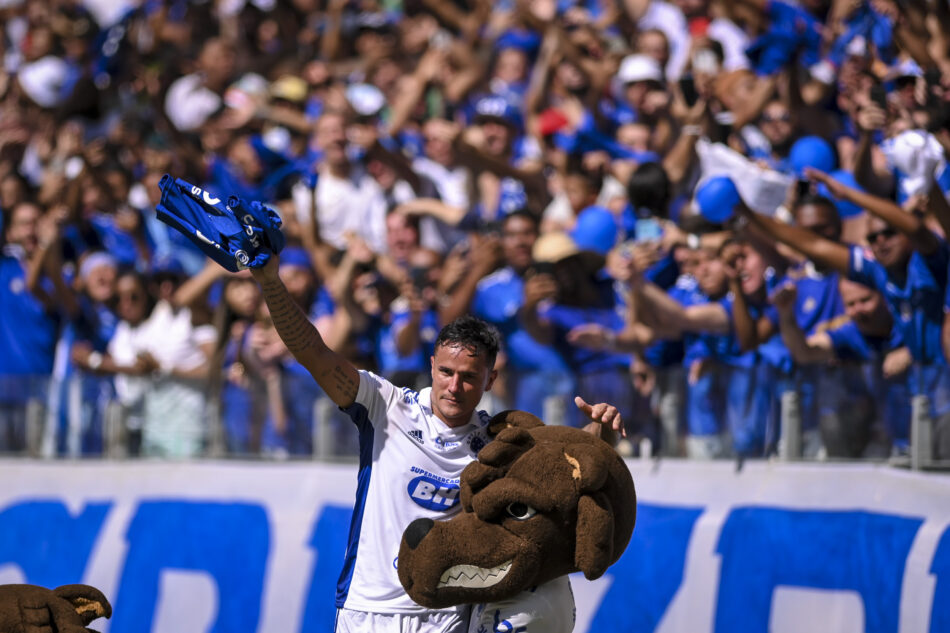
(593, 551)
(89, 602)
(506, 448)
(512, 418)
(590, 469)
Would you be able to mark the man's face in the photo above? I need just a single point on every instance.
(776, 124)
(217, 60)
(820, 219)
(100, 284)
(330, 137)
(579, 192)
(438, 146)
(497, 137)
(517, 239)
(890, 246)
(636, 93)
(22, 229)
(654, 45)
(511, 66)
(401, 237)
(751, 268)
(459, 379)
(863, 306)
(635, 136)
(710, 274)
(298, 280)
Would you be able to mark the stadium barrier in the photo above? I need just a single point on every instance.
(226, 546)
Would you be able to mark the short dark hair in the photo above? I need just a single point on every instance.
(816, 200)
(473, 334)
(649, 188)
(522, 213)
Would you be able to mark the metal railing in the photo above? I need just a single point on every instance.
(46, 418)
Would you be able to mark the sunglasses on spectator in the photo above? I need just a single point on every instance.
(782, 118)
(885, 233)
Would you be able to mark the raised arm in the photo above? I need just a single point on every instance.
(335, 375)
(804, 350)
(537, 288)
(709, 317)
(818, 249)
(922, 239)
(485, 258)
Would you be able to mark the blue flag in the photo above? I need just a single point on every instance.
(237, 235)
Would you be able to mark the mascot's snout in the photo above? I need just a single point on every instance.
(417, 531)
(540, 502)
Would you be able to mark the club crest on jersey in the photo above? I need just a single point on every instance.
(409, 396)
(476, 443)
(433, 493)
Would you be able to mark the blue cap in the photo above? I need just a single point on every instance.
(812, 151)
(295, 256)
(498, 108)
(167, 264)
(526, 41)
(716, 199)
(595, 230)
(845, 208)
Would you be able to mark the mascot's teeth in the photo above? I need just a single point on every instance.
(472, 577)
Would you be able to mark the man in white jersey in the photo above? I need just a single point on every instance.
(413, 447)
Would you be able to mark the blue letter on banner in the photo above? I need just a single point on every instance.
(329, 543)
(940, 615)
(229, 541)
(47, 543)
(763, 548)
(650, 571)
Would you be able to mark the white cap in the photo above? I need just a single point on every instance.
(907, 68)
(857, 47)
(42, 80)
(916, 154)
(366, 99)
(639, 68)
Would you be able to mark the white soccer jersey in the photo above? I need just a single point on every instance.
(410, 463)
(547, 608)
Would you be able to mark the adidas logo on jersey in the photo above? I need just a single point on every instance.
(416, 435)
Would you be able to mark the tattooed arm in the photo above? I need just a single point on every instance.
(335, 375)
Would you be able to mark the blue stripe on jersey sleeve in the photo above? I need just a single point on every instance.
(360, 417)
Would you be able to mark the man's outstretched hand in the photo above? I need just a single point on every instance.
(603, 414)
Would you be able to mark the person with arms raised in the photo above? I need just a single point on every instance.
(413, 447)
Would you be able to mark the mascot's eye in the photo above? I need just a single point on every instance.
(520, 511)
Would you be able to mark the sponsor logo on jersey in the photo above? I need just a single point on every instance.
(442, 445)
(416, 435)
(433, 492)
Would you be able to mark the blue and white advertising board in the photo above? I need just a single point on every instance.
(229, 547)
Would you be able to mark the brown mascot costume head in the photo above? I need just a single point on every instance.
(66, 609)
(540, 502)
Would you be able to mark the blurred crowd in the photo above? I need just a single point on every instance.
(728, 218)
